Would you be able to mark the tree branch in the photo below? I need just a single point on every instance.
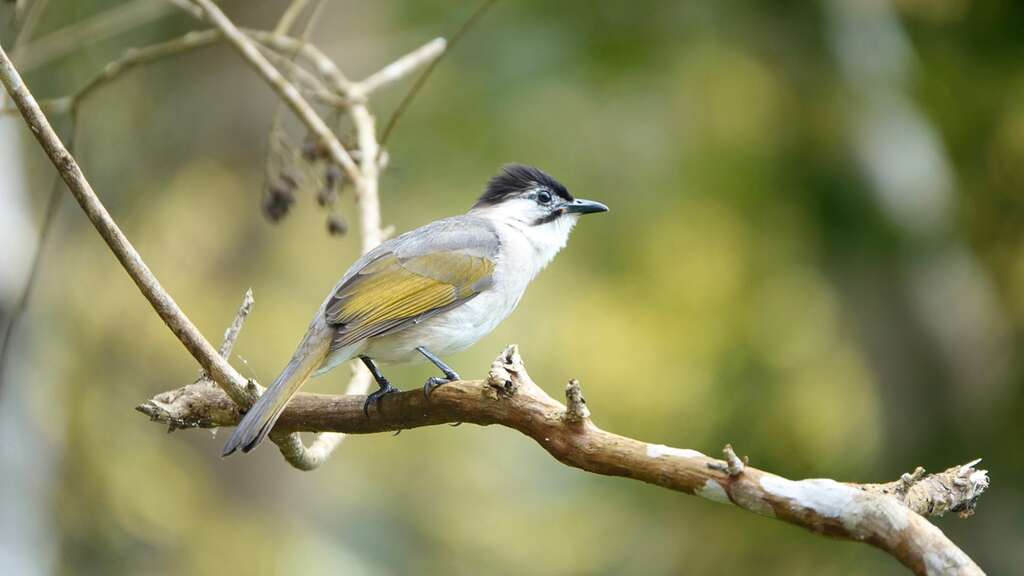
(879, 514)
(233, 382)
(284, 24)
(403, 66)
(285, 90)
(352, 96)
(59, 43)
(45, 227)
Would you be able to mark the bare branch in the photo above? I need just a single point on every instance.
(421, 80)
(27, 25)
(231, 334)
(91, 30)
(954, 490)
(290, 445)
(324, 443)
(285, 90)
(215, 365)
(365, 179)
(284, 24)
(403, 66)
(49, 218)
(510, 398)
(193, 40)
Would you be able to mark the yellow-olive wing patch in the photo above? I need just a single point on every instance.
(391, 292)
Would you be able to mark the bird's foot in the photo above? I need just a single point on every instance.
(436, 381)
(375, 396)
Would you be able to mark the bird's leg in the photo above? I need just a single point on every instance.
(385, 387)
(434, 381)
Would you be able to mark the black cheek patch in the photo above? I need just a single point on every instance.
(554, 215)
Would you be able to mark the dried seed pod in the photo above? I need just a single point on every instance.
(326, 197)
(336, 225)
(277, 201)
(313, 148)
(333, 176)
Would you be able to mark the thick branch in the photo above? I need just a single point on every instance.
(888, 519)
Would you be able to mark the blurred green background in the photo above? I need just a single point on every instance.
(815, 252)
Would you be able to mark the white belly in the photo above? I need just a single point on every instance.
(446, 333)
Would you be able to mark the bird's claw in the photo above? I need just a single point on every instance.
(376, 395)
(436, 381)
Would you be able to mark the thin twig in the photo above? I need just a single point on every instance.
(365, 177)
(285, 89)
(366, 185)
(307, 82)
(193, 40)
(422, 79)
(231, 334)
(133, 57)
(277, 133)
(284, 24)
(403, 66)
(291, 446)
(33, 15)
(230, 380)
(49, 218)
(91, 30)
(136, 56)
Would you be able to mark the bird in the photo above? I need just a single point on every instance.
(429, 292)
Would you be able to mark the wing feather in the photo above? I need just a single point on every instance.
(404, 282)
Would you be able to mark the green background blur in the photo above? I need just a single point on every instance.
(815, 251)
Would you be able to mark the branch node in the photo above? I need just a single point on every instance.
(505, 372)
(908, 479)
(576, 411)
(972, 484)
(954, 490)
(253, 390)
(732, 465)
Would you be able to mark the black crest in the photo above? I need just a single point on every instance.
(515, 179)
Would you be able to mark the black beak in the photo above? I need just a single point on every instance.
(580, 206)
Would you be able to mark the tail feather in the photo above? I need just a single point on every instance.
(260, 419)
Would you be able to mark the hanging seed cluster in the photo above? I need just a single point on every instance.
(279, 197)
(292, 169)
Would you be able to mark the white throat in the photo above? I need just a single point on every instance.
(545, 240)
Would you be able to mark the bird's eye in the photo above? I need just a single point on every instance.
(544, 197)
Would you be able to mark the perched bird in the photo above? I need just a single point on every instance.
(430, 292)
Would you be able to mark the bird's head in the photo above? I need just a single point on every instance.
(527, 196)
